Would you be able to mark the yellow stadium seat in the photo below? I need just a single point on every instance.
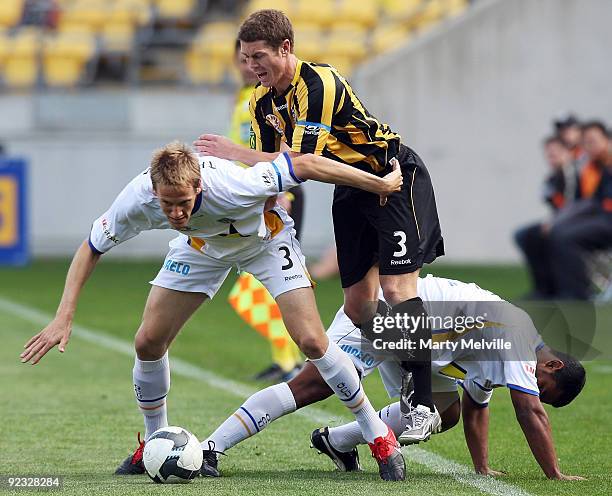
(218, 39)
(21, 64)
(10, 12)
(93, 13)
(282, 5)
(387, 37)
(118, 37)
(202, 69)
(135, 12)
(65, 58)
(175, 9)
(364, 12)
(5, 46)
(347, 40)
(343, 64)
(401, 10)
(322, 12)
(309, 42)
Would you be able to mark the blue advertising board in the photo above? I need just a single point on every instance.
(13, 212)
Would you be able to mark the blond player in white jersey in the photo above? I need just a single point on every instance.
(533, 373)
(218, 208)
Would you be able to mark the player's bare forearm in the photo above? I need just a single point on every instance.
(59, 329)
(535, 425)
(329, 171)
(222, 147)
(83, 264)
(476, 431)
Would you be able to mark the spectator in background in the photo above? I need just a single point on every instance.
(567, 128)
(249, 297)
(560, 190)
(585, 225)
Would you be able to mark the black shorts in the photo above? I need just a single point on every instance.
(400, 237)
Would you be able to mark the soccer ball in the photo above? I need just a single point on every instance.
(172, 455)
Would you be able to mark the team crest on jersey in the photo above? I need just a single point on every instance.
(275, 123)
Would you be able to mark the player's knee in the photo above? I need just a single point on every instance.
(313, 346)
(149, 347)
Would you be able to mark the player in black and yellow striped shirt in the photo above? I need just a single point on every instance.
(310, 108)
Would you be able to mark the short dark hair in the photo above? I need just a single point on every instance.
(566, 120)
(596, 125)
(549, 140)
(570, 378)
(269, 25)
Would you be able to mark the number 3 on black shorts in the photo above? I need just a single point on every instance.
(402, 244)
(287, 257)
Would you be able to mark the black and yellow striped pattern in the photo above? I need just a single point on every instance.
(319, 113)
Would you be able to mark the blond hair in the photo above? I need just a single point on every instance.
(175, 165)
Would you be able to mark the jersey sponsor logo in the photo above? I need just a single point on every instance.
(406, 261)
(110, 236)
(312, 129)
(178, 267)
(530, 369)
(293, 277)
(359, 354)
(269, 178)
(226, 220)
(282, 107)
(275, 123)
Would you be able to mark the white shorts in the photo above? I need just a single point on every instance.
(366, 358)
(278, 264)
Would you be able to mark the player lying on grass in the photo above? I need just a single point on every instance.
(536, 375)
(218, 209)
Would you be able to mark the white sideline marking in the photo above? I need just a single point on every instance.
(603, 369)
(434, 462)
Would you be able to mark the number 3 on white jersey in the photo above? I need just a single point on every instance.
(402, 244)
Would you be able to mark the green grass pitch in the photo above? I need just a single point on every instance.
(74, 415)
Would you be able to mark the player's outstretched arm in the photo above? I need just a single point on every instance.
(58, 331)
(533, 420)
(322, 169)
(222, 147)
(476, 431)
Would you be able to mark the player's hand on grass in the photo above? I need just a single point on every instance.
(56, 333)
(215, 145)
(392, 181)
(491, 472)
(569, 477)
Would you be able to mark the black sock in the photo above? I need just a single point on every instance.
(419, 365)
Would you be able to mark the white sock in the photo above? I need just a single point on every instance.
(151, 386)
(346, 437)
(253, 416)
(339, 372)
